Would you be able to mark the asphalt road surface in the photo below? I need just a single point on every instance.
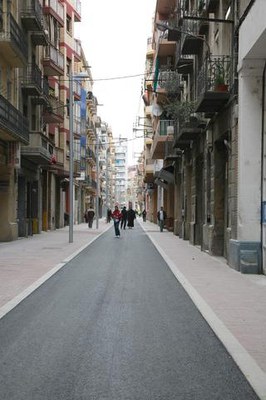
(114, 324)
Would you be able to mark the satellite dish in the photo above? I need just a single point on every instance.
(156, 110)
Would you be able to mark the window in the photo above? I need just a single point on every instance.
(69, 24)
(68, 66)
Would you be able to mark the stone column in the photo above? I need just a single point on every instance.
(244, 252)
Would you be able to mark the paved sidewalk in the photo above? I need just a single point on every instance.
(233, 304)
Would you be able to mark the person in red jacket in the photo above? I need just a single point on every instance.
(116, 215)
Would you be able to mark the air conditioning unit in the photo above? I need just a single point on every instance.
(68, 154)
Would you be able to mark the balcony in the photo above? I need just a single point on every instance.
(13, 125)
(92, 103)
(191, 43)
(56, 9)
(53, 62)
(77, 11)
(149, 80)
(54, 114)
(76, 89)
(32, 16)
(90, 184)
(214, 83)
(91, 130)
(43, 98)
(59, 156)
(149, 171)
(76, 168)
(40, 38)
(184, 62)
(77, 50)
(165, 7)
(164, 46)
(13, 44)
(31, 81)
(90, 156)
(163, 140)
(40, 149)
(76, 126)
(189, 130)
(168, 84)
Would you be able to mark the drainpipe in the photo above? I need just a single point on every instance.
(262, 163)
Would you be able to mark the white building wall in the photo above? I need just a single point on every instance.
(249, 150)
(251, 63)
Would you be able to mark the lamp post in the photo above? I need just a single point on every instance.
(71, 151)
(71, 158)
(97, 181)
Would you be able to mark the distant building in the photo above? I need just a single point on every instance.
(121, 156)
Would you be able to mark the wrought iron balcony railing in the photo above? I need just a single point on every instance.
(215, 72)
(169, 80)
(13, 121)
(214, 84)
(32, 78)
(10, 32)
(32, 15)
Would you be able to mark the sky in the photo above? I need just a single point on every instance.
(114, 36)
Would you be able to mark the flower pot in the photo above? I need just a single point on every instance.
(221, 87)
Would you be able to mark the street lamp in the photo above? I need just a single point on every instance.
(71, 150)
(97, 177)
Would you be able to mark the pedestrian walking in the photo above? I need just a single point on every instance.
(89, 216)
(116, 215)
(131, 216)
(161, 216)
(124, 217)
(109, 215)
(144, 215)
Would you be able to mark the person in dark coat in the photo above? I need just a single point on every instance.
(89, 216)
(131, 216)
(124, 217)
(161, 216)
(144, 215)
(109, 215)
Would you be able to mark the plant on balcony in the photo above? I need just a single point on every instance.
(180, 111)
(170, 82)
(219, 77)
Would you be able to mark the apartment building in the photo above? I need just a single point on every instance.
(41, 67)
(205, 102)
(135, 193)
(121, 171)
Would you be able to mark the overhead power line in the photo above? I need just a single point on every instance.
(105, 79)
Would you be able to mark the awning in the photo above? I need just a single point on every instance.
(167, 174)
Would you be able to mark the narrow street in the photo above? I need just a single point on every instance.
(114, 324)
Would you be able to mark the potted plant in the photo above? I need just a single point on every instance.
(219, 79)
